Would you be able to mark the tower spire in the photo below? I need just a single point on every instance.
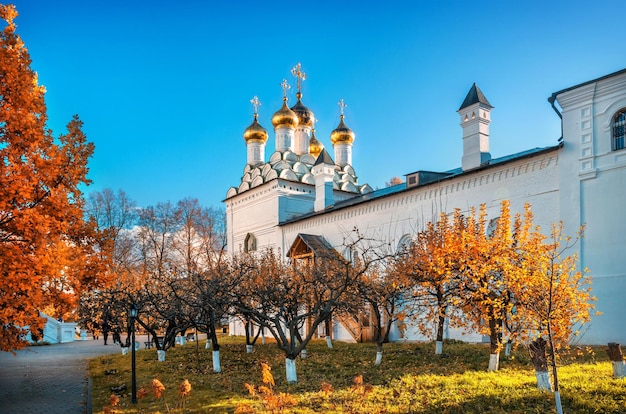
(285, 122)
(475, 114)
(302, 134)
(342, 138)
(255, 136)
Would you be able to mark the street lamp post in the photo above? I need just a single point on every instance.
(133, 316)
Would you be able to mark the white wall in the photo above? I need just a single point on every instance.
(593, 193)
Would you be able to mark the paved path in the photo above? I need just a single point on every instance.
(48, 379)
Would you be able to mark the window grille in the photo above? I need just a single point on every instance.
(619, 130)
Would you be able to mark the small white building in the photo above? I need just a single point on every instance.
(579, 179)
(56, 332)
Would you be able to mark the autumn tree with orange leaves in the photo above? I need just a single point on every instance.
(487, 266)
(553, 297)
(431, 264)
(46, 254)
(514, 280)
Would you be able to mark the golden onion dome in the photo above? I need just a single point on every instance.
(305, 116)
(285, 117)
(315, 147)
(255, 132)
(342, 134)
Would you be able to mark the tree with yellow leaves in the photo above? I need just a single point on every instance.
(487, 264)
(513, 275)
(552, 296)
(431, 265)
(46, 253)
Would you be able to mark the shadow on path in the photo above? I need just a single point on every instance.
(48, 379)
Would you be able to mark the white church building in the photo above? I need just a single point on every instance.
(304, 189)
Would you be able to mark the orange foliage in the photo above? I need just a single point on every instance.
(46, 252)
(503, 275)
(158, 388)
(273, 402)
(184, 389)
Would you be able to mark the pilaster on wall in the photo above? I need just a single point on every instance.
(586, 161)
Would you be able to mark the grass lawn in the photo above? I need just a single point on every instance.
(411, 379)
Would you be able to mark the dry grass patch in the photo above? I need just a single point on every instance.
(345, 380)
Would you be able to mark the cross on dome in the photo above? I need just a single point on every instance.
(255, 103)
(342, 106)
(285, 86)
(297, 72)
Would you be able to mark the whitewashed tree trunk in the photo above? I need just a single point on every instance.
(329, 342)
(494, 362)
(438, 347)
(619, 369)
(160, 355)
(507, 349)
(617, 359)
(263, 340)
(290, 368)
(557, 398)
(379, 357)
(217, 366)
(543, 380)
(249, 348)
(207, 345)
(125, 350)
(303, 354)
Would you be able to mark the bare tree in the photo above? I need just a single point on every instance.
(115, 215)
(285, 297)
(388, 295)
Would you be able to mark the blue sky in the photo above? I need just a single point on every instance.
(164, 87)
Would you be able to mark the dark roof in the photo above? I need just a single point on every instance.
(317, 244)
(447, 175)
(324, 158)
(610, 75)
(475, 95)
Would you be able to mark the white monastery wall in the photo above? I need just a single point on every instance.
(593, 193)
(388, 219)
(533, 180)
(249, 212)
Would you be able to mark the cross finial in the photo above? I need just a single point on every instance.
(342, 106)
(285, 86)
(297, 72)
(255, 103)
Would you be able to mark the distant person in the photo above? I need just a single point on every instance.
(117, 337)
(105, 331)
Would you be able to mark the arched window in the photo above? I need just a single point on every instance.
(492, 226)
(250, 243)
(618, 130)
(351, 254)
(404, 243)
